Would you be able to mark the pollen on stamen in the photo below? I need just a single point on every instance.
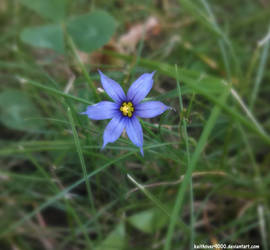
(127, 109)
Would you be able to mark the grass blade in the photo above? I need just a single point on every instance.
(260, 73)
(55, 91)
(194, 159)
(81, 158)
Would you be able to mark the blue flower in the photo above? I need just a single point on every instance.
(125, 109)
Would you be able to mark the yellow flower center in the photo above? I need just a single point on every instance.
(127, 109)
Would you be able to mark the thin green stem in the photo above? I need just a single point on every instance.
(56, 91)
(194, 159)
(81, 65)
(186, 139)
(81, 158)
(260, 74)
(67, 202)
(151, 197)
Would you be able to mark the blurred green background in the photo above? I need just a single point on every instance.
(205, 175)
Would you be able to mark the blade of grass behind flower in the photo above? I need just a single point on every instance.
(55, 91)
(207, 19)
(260, 73)
(151, 197)
(61, 195)
(167, 69)
(87, 76)
(81, 158)
(185, 135)
(69, 208)
(194, 159)
(259, 185)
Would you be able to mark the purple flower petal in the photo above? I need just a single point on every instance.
(150, 109)
(134, 132)
(114, 129)
(102, 110)
(140, 88)
(113, 89)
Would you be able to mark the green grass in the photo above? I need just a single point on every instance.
(204, 178)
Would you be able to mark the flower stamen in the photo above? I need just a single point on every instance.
(127, 109)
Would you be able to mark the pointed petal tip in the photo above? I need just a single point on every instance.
(103, 146)
(171, 108)
(101, 74)
(141, 150)
(168, 108)
(151, 109)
